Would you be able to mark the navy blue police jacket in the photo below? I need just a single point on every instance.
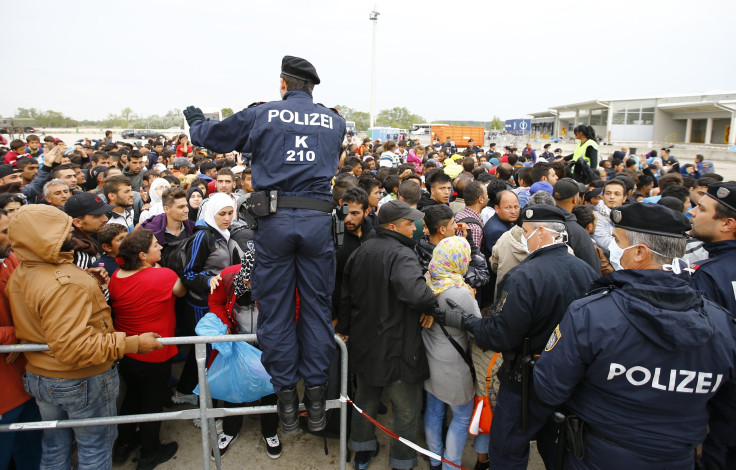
(716, 276)
(295, 143)
(531, 300)
(643, 362)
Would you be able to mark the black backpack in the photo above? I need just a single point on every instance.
(473, 220)
(175, 255)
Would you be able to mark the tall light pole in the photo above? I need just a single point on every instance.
(374, 18)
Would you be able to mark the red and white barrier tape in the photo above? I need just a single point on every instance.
(406, 442)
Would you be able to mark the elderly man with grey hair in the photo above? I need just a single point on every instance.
(644, 363)
(56, 192)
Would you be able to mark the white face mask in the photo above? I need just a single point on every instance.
(616, 252)
(525, 240)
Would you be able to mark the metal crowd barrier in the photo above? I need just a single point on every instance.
(206, 412)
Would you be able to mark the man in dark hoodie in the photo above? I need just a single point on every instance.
(439, 186)
(645, 375)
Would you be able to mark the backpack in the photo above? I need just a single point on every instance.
(175, 255)
(473, 220)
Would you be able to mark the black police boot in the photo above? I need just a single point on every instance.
(314, 402)
(288, 410)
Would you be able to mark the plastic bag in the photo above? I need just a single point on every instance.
(211, 325)
(236, 375)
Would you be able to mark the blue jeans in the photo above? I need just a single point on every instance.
(457, 432)
(480, 443)
(60, 399)
(23, 447)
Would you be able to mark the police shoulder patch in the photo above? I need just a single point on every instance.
(553, 339)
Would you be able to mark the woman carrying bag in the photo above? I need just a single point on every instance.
(451, 380)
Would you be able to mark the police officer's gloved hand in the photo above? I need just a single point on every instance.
(453, 316)
(192, 115)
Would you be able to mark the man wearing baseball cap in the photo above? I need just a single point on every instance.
(89, 214)
(644, 363)
(385, 344)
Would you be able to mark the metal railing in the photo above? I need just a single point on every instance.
(206, 412)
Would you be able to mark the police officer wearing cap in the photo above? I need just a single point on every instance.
(642, 360)
(295, 146)
(714, 222)
(532, 299)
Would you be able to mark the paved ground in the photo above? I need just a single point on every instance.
(301, 450)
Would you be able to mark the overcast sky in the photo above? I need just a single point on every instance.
(441, 59)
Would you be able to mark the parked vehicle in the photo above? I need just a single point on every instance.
(149, 134)
(130, 134)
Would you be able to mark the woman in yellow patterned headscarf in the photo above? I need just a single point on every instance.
(449, 263)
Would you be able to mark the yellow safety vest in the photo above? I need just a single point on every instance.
(581, 148)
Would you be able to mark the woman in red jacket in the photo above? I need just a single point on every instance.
(142, 297)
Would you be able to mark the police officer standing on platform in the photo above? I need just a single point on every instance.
(295, 146)
(714, 222)
(642, 361)
(531, 301)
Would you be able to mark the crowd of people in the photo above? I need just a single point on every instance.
(606, 282)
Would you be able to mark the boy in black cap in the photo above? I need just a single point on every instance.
(644, 341)
(87, 211)
(299, 144)
(523, 319)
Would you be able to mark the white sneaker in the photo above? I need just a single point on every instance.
(273, 446)
(181, 399)
(223, 443)
(218, 424)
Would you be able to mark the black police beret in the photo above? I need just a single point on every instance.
(543, 213)
(651, 218)
(299, 68)
(725, 193)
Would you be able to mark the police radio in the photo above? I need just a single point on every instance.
(338, 224)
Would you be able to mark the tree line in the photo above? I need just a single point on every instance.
(399, 117)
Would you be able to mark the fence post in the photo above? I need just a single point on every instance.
(343, 403)
(205, 402)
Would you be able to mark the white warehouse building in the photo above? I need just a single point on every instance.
(707, 119)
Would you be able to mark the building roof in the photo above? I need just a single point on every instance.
(699, 102)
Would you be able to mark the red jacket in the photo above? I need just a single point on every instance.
(11, 158)
(11, 391)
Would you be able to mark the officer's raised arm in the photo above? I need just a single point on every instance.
(222, 137)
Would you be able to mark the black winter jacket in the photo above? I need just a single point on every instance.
(383, 294)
